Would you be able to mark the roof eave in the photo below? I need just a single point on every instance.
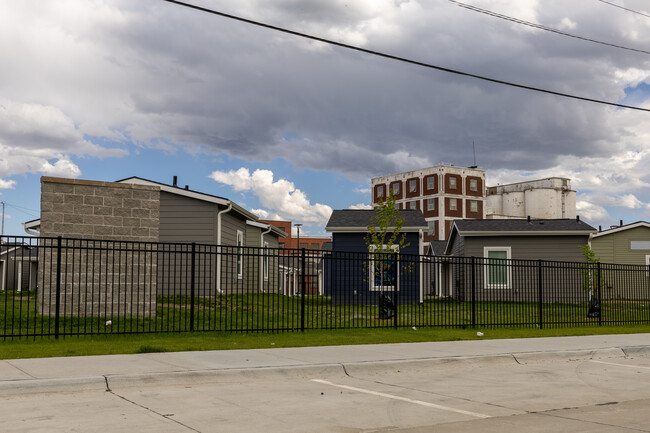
(467, 233)
(191, 194)
(414, 229)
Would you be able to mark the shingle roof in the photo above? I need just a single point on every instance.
(622, 228)
(438, 247)
(350, 219)
(469, 227)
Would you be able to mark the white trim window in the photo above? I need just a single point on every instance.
(240, 254)
(497, 271)
(453, 182)
(640, 245)
(432, 228)
(413, 205)
(431, 204)
(384, 272)
(413, 185)
(431, 182)
(396, 188)
(453, 204)
(473, 185)
(473, 206)
(380, 192)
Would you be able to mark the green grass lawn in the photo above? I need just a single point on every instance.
(174, 342)
(234, 322)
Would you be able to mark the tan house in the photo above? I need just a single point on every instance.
(626, 244)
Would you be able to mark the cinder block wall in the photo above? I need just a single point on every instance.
(110, 270)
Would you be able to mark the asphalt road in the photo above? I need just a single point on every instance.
(605, 389)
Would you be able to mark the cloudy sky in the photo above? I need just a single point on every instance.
(292, 128)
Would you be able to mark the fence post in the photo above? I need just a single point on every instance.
(192, 285)
(57, 306)
(396, 288)
(473, 292)
(539, 292)
(600, 302)
(303, 285)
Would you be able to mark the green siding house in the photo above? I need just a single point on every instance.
(628, 244)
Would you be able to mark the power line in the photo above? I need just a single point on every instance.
(541, 27)
(401, 59)
(624, 8)
(24, 210)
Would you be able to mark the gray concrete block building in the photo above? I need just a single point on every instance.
(140, 232)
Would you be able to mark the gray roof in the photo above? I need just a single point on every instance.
(438, 247)
(522, 226)
(622, 228)
(360, 219)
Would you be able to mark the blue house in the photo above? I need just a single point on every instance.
(356, 275)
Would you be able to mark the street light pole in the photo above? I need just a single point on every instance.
(298, 225)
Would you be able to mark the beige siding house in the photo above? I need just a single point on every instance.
(628, 244)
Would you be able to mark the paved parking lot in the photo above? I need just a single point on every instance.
(603, 390)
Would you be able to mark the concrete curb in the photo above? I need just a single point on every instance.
(63, 384)
(354, 369)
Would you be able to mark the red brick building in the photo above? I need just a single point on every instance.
(308, 242)
(443, 193)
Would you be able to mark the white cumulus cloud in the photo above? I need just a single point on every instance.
(280, 197)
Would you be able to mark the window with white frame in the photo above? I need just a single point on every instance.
(384, 272)
(473, 185)
(380, 191)
(431, 182)
(413, 185)
(396, 188)
(453, 204)
(431, 204)
(413, 204)
(497, 267)
(640, 245)
(452, 182)
(432, 228)
(473, 206)
(240, 254)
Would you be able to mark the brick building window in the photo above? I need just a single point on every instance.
(431, 204)
(380, 192)
(413, 186)
(453, 182)
(473, 206)
(396, 189)
(453, 203)
(431, 182)
(473, 185)
(412, 205)
(432, 228)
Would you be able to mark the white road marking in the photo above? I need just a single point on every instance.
(620, 365)
(408, 400)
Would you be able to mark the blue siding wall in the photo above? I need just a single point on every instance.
(347, 272)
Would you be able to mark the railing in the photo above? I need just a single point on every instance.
(56, 287)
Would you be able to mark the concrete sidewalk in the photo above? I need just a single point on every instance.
(19, 376)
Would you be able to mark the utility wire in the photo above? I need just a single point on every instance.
(24, 210)
(624, 8)
(541, 27)
(401, 59)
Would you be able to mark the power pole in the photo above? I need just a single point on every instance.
(3, 219)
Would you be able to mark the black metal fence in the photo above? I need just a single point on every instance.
(57, 286)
